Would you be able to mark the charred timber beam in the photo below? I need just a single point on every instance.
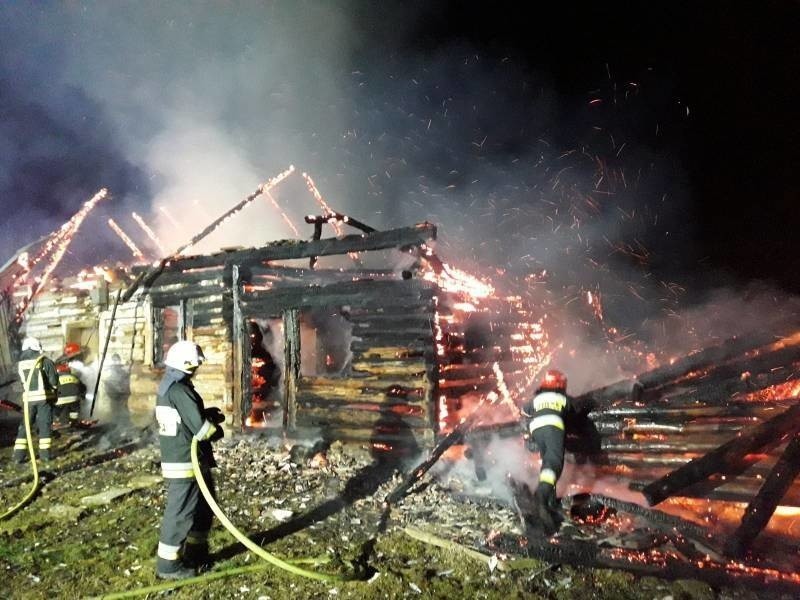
(723, 352)
(763, 505)
(290, 249)
(683, 413)
(727, 458)
(729, 492)
(291, 369)
(365, 404)
(454, 437)
(721, 382)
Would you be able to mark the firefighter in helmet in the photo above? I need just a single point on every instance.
(72, 391)
(40, 392)
(182, 417)
(549, 407)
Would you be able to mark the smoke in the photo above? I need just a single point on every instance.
(184, 109)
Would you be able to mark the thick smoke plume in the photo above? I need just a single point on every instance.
(183, 109)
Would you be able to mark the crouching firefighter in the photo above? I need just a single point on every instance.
(548, 410)
(181, 416)
(40, 393)
(71, 390)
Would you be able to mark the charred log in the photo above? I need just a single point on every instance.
(728, 458)
(763, 505)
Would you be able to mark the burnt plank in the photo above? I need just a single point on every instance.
(290, 249)
(727, 458)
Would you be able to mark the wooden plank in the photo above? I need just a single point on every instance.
(291, 249)
(763, 505)
(362, 351)
(241, 383)
(413, 367)
(710, 356)
(726, 458)
(389, 395)
(343, 417)
(414, 405)
(291, 372)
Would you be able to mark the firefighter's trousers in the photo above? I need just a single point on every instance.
(41, 416)
(550, 441)
(187, 517)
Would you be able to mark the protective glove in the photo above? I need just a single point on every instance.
(218, 434)
(214, 414)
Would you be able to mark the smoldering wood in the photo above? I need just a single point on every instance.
(292, 249)
(719, 383)
(763, 505)
(362, 294)
(371, 402)
(188, 277)
(291, 370)
(349, 418)
(729, 349)
(454, 437)
(684, 413)
(241, 379)
(414, 349)
(398, 368)
(356, 383)
(727, 458)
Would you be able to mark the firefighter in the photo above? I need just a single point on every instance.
(71, 390)
(181, 416)
(40, 392)
(548, 410)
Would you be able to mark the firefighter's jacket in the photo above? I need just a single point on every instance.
(549, 408)
(70, 388)
(44, 381)
(179, 412)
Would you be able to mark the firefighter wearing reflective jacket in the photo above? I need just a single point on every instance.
(181, 416)
(71, 390)
(40, 392)
(549, 407)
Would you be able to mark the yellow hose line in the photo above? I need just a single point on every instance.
(29, 437)
(247, 542)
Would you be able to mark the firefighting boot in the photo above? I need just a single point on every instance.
(195, 555)
(172, 569)
(45, 455)
(20, 454)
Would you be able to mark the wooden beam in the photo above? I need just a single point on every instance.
(727, 458)
(291, 249)
(763, 505)
(291, 368)
(717, 354)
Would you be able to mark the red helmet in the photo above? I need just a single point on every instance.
(72, 348)
(554, 380)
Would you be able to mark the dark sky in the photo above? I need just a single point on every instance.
(618, 144)
(734, 66)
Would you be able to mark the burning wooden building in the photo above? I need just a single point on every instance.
(362, 337)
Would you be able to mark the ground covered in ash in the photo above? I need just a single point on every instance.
(93, 530)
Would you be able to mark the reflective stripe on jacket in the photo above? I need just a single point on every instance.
(41, 385)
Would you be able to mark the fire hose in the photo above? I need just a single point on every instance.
(29, 439)
(247, 542)
(241, 537)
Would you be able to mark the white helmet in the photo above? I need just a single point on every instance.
(185, 356)
(31, 343)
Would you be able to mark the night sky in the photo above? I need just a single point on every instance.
(645, 146)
